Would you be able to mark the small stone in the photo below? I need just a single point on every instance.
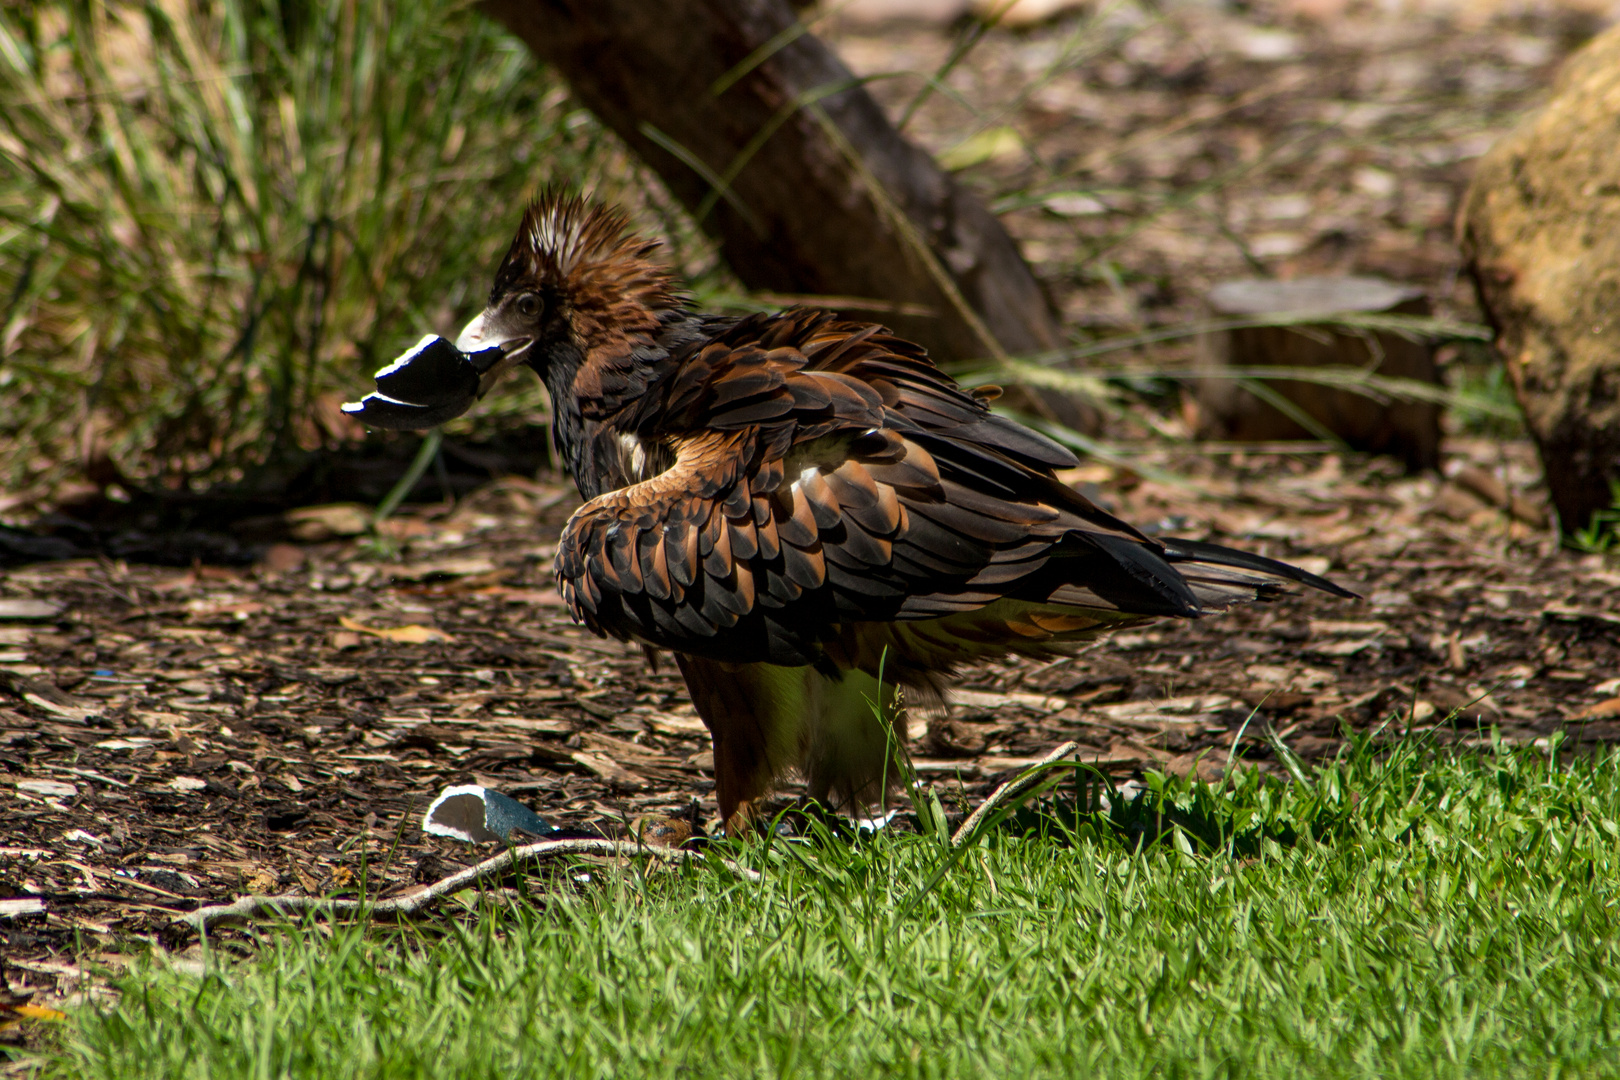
(1228, 410)
(1278, 245)
(1286, 207)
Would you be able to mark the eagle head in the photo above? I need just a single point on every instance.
(576, 291)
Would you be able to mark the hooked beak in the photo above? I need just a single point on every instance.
(475, 338)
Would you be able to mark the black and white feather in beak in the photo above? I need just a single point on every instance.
(433, 383)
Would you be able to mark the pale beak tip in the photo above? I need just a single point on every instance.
(471, 338)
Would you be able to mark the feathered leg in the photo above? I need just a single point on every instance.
(852, 754)
(766, 719)
(736, 705)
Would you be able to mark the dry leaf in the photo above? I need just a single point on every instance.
(472, 566)
(65, 707)
(38, 1012)
(675, 724)
(24, 609)
(315, 523)
(236, 609)
(993, 144)
(344, 639)
(1603, 710)
(610, 771)
(981, 699)
(50, 788)
(22, 905)
(543, 597)
(410, 634)
(280, 558)
(306, 880)
(263, 880)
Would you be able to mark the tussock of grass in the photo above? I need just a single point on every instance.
(1375, 917)
(217, 219)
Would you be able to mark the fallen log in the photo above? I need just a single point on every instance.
(1282, 409)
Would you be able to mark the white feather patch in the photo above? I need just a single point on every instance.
(636, 452)
(809, 472)
(406, 358)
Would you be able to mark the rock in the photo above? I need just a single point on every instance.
(1540, 229)
(1228, 410)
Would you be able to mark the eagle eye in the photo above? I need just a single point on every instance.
(528, 305)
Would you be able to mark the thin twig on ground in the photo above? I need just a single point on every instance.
(249, 908)
(1011, 790)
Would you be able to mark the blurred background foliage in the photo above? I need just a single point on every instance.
(216, 219)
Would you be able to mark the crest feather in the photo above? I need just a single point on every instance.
(586, 252)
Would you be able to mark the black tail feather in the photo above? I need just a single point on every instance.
(1177, 550)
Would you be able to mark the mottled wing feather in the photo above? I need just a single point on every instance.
(825, 476)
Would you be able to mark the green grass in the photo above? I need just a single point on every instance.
(1601, 534)
(1402, 916)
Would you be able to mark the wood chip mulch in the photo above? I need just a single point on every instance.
(172, 738)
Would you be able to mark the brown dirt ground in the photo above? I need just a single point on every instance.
(170, 738)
